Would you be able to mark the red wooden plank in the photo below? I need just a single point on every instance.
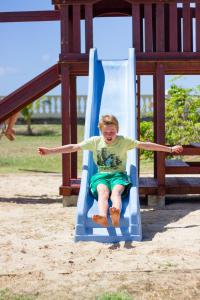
(66, 121)
(76, 29)
(182, 170)
(190, 150)
(160, 28)
(73, 114)
(187, 28)
(179, 26)
(136, 27)
(138, 84)
(64, 15)
(142, 28)
(70, 30)
(155, 121)
(154, 30)
(148, 28)
(173, 33)
(165, 56)
(160, 116)
(88, 27)
(29, 92)
(148, 186)
(197, 15)
(166, 16)
(29, 16)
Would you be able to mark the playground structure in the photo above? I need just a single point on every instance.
(165, 44)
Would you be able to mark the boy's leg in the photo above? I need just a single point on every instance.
(103, 196)
(10, 124)
(116, 198)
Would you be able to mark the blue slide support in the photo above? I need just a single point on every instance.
(112, 90)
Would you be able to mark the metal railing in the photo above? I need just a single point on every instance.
(49, 106)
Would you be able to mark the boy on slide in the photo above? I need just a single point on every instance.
(110, 155)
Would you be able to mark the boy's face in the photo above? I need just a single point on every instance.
(109, 133)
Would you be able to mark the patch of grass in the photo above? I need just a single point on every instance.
(114, 296)
(21, 155)
(7, 295)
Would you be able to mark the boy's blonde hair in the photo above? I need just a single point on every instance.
(108, 120)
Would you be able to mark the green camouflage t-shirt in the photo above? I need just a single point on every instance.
(109, 157)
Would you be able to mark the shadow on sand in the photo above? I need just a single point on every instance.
(157, 220)
(31, 200)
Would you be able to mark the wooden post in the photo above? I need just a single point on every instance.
(64, 15)
(197, 15)
(136, 34)
(179, 37)
(160, 28)
(155, 121)
(187, 28)
(160, 128)
(65, 88)
(70, 31)
(88, 27)
(148, 27)
(173, 27)
(166, 26)
(66, 138)
(76, 28)
(138, 118)
(73, 113)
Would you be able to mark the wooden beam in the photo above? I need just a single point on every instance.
(29, 92)
(73, 114)
(179, 29)
(88, 27)
(30, 16)
(187, 28)
(70, 30)
(144, 66)
(64, 14)
(76, 28)
(136, 30)
(160, 119)
(173, 30)
(197, 15)
(167, 56)
(66, 123)
(130, 1)
(189, 150)
(138, 94)
(182, 170)
(148, 28)
(160, 28)
(155, 121)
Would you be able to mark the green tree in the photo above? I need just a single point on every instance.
(182, 116)
(28, 111)
(146, 135)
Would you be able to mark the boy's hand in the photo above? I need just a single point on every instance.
(177, 149)
(43, 151)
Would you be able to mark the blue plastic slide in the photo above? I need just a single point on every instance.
(112, 90)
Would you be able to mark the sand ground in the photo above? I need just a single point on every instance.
(39, 257)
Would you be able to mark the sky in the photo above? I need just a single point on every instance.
(29, 48)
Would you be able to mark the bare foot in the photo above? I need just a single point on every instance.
(103, 221)
(115, 216)
(10, 135)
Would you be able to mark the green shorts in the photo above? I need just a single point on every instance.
(110, 180)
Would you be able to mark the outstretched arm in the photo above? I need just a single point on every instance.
(62, 149)
(157, 147)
